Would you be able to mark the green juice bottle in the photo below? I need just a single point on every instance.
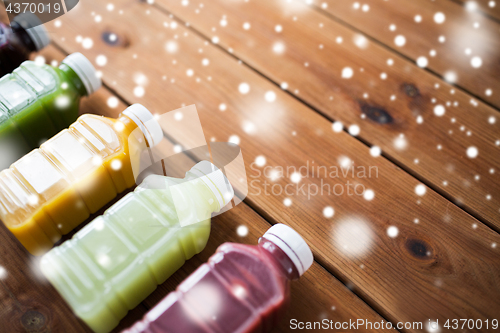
(118, 259)
(38, 101)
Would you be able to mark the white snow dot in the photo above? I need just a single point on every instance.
(439, 17)
(392, 231)
(296, 177)
(375, 151)
(101, 60)
(418, 18)
(491, 4)
(223, 22)
(3, 273)
(450, 76)
(360, 41)
(392, 27)
(383, 76)
(278, 28)
(139, 91)
(400, 40)
(492, 120)
(476, 62)
(244, 88)
(439, 110)
(420, 120)
(488, 92)
(354, 130)
(339, 40)
(284, 85)
(57, 23)
(189, 72)
(87, 43)
(278, 47)
(369, 195)
(390, 62)
(420, 189)
(222, 107)
(246, 26)
(116, 164)
(234, 139)
(215, 39)
(171, 46)
(442, 39)
(270, 96)
(347, 72)
(110, 7)
(242, 231)
(287, 202)
(365, 8)
(328, 212)
(337, 126)
(260, 161)
(422, 62)
(112, 102)
(205, 62)
(472, 152)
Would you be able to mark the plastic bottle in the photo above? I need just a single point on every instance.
(25, 35)
(242, 288)
(37, 101)
(119, 258)
(53, 189)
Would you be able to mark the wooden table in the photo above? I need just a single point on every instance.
(407, 88)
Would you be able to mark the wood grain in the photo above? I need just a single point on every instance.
(395, 113)
(488, 7)
(444, 266)
(462, 29)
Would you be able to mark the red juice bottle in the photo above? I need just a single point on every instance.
(25, 35)
(242, 288)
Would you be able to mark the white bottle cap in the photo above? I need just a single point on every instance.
(146, 122)
(215, 180)
(34, 28)
(85, 71)
(294, 246)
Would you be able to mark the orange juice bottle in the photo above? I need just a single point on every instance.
(51, 190)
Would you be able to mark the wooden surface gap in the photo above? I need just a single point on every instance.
(331, 119)
(400, 54)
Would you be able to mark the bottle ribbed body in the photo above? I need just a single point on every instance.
(48, 192)
(118, 259)
(242, 288)
(36, 101)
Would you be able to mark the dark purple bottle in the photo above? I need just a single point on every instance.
(242, 288)
(25, 35)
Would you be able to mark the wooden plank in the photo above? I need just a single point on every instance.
(462, 29)
(445, 266)
(383, 109)
(30, 304)
(488, 7)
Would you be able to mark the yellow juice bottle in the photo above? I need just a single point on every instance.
(51, 190)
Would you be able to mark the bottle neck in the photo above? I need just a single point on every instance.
(22, 38)
(74, 79)
(205, 191)
(279, 257)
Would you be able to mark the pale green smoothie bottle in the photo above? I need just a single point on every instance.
(38, 101)
(118, 259)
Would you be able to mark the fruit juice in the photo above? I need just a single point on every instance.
(25, 35)
(242, 288)
(37, 101)
(118, 259)
(50, 191)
